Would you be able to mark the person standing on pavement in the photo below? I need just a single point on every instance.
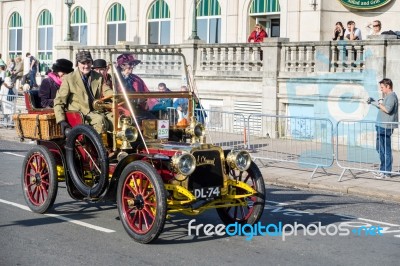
(26, 70)
(386, 122)
(17, 72)
(2, 63)
(33, 69)
(8, 101)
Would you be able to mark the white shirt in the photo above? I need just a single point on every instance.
(357, 33)
(27, 65)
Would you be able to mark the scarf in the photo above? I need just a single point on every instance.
(55, 78)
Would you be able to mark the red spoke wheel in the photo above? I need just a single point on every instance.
(141, 200)
(87, 161)
(39, 179)
(251, 213)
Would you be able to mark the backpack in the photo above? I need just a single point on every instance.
(390, 32)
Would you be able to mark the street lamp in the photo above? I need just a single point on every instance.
(69, 3)
(314, 4)
(194, 24)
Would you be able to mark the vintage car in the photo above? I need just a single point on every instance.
(151, 168)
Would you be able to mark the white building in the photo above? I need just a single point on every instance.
(38, 25)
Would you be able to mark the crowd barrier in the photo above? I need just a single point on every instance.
(357, 150)
(307, 142)
(9, 105)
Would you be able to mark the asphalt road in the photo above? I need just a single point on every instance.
(79, 233)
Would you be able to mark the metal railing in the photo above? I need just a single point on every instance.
(305, 141)
(10, 105)
(357, 149)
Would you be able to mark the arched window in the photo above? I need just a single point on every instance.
(45, 40)
(116, 24)
(15, 35)
(79, 25)
(159, 23)
(209, 21)
(266, 13)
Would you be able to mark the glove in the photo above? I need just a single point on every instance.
(65, 127)
(370, 100)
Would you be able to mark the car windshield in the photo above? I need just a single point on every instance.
(152, 89)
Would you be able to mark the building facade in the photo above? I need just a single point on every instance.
(299, 71)
(38, 25)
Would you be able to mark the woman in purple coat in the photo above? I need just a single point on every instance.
(50, 85)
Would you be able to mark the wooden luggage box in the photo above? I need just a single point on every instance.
(37, 126)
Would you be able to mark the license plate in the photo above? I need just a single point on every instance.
(207, 192)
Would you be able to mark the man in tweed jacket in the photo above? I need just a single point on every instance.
(78, 91)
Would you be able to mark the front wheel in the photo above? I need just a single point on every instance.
(251, 213)
(39, 179)
(142, 203)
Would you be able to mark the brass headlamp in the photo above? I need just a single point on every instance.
(127, 133)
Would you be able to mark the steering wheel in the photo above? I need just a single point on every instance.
(101, 104)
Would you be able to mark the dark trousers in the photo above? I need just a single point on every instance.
(32, 78)
(384, 148)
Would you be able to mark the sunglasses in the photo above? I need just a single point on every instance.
(376, 25)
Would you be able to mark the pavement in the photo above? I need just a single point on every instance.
(291, 175)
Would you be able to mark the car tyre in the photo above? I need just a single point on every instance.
(141, 200)
(39, 179)
(84, 151)
(251, 213)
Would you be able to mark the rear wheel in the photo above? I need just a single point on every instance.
(87, 161)
(251, 213)
(39, 179)
(141, 200)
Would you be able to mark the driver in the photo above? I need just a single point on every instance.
(78, 91)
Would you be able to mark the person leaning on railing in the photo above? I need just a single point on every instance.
(338, 31)
(352, 33)
(258, 34)
(386, 122)
(374, 28)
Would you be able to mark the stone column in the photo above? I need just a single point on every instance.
(271, 48)
(191, 53)
(65, 50)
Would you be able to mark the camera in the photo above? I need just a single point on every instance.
(370, 100)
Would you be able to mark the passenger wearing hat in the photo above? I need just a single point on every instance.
(100, 66)
(133, 83)
(50, 85)
(7, 100)
(78, 91)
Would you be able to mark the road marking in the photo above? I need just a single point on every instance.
(57, 216)
(278, 208)
(378, 222)
(11, 153)
(277, 203)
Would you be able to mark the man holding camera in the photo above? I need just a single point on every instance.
(387, 120)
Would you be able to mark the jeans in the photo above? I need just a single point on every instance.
(32, 78)
(384, 148)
